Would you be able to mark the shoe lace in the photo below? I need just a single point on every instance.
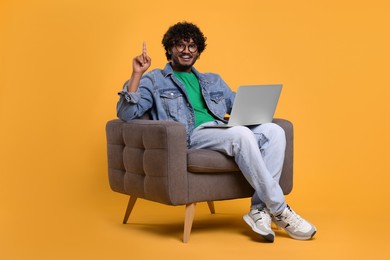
(263, 216)
(293, 218)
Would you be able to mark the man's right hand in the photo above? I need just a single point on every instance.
(142, 62)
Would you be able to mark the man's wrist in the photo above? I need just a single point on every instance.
(136, 74)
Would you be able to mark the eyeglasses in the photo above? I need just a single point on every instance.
(180, 47)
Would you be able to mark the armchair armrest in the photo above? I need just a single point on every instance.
(154, 155)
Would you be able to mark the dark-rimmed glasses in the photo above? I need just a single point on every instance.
(180, 47)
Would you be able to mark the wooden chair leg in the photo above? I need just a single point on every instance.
(211, 206)
(189, 218)
(130, 206)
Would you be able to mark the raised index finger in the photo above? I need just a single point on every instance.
(144, 48)
(144, 51)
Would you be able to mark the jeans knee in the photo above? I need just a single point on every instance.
(242, 135)
(279, 131)
(277, 134)
(270, 132)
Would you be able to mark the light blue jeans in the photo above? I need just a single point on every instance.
(259, 153)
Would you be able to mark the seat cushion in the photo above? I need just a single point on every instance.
(207, 161)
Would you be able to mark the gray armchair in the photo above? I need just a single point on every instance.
(149, 159)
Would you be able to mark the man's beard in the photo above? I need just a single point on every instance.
(183, 67)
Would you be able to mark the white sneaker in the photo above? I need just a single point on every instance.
(294, 224)
(260, 222)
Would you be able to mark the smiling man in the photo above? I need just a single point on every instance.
(181, 93)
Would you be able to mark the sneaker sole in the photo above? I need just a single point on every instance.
(267, 236)
(300, 238)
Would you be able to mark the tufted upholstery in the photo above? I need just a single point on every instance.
(150, 160)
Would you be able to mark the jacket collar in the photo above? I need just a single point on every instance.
(168, 71)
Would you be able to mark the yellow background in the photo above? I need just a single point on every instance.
(63, 61)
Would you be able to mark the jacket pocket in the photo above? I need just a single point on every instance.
(172, 101)
(218, 104)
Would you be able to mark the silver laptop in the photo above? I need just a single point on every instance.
(253, 105)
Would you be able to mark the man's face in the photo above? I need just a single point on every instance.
(184, 55)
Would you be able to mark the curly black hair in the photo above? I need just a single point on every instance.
(183, 31)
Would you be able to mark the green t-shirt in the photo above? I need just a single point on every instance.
(191, 83)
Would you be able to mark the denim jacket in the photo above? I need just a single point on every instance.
(164, 97)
